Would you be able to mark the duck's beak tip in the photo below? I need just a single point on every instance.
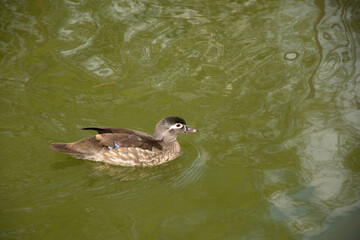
(190, 130)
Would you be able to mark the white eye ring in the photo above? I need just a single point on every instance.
(176, 126)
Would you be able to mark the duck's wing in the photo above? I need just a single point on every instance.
(127, 139)
(122, 137)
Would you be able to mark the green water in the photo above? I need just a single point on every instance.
(272, 86)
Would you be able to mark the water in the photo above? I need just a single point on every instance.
(273, 87)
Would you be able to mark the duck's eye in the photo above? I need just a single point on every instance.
(176, 126)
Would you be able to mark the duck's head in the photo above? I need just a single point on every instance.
(168, 128)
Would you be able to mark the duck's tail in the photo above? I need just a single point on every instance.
(65, 148)
(84, 148)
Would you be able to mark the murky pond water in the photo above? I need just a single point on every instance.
(273, 87)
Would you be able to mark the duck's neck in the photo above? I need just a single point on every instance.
(172, 140)
(171, 143)
(161, 138)
(171, 150)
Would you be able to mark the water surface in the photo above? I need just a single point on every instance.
(273, 87)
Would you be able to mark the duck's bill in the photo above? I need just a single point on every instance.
(189, 129)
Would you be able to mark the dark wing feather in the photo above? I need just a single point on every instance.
(119, 130)
(109, 130)
(125, 139)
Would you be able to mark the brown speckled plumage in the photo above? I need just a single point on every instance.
(126, 147)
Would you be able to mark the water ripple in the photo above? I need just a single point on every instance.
(78, 48)
(194, 172)
(325, 141)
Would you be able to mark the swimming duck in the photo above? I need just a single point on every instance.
(126, 147)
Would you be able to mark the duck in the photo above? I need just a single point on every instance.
(127, 147)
